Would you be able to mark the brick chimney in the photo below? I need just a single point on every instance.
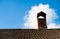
(41, 17)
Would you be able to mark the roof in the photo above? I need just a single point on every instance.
(41, 14)
(29, 34)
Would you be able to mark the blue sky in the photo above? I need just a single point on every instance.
(12, 12)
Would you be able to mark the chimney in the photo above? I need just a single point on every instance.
(41, 17)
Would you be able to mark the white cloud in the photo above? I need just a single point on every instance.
(41, 17)
(53, 26)
(31, 20)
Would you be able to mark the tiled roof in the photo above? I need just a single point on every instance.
(29, 34)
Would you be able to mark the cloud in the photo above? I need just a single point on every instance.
(31, 20)
(53, 26)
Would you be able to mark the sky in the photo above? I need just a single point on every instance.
(13, 12)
